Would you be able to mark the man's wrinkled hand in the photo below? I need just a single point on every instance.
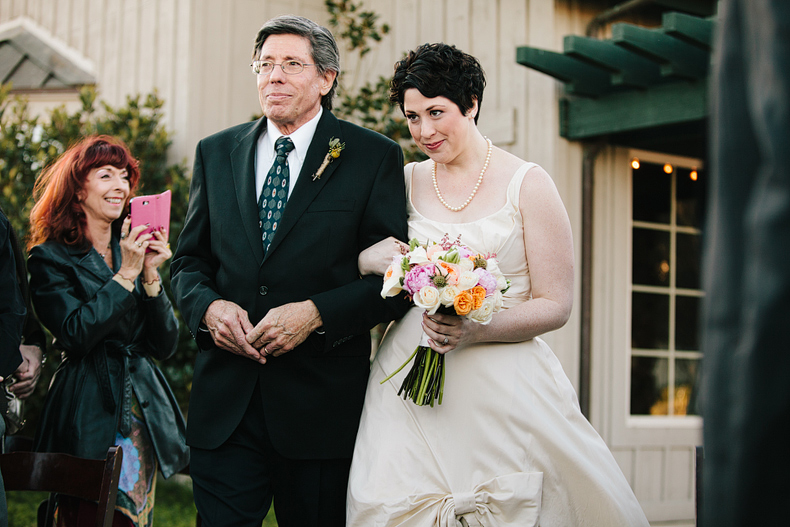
(285, 327)
(28, 372)
(229, 324)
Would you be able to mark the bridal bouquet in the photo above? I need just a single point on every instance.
(445, 277)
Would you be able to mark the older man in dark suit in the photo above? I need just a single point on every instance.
(266, 276)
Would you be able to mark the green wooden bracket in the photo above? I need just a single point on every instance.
(669, 103)
(694, 30)
(677, 58)
(626, 67)
(580, 78)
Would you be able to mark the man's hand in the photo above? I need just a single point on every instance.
(229, 324)
(28, 372)
(285, 327)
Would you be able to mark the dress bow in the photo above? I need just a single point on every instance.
(505, 500)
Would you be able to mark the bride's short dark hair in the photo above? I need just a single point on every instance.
(440, 70)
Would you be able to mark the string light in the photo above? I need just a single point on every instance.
(693, 174)
(635, 163)
(668, 168)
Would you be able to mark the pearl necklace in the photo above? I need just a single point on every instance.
(474, 191)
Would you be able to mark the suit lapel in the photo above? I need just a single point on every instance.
(306, 189)
(243, 167)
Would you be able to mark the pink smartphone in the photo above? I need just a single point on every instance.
(153, 211)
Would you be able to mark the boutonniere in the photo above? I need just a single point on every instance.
(335, 147)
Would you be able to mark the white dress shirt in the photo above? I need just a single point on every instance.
(264, 152)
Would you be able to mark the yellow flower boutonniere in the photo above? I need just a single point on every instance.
(335, 147)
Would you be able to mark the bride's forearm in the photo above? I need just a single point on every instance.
(524, 321)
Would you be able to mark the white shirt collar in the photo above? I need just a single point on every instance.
(301, 138)
(264, 151)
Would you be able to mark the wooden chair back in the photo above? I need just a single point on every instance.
(89, 479)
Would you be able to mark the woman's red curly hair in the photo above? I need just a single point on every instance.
(57, 214)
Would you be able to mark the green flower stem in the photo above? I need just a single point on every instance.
(393, 374)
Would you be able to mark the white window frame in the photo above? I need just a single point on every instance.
(613, 224)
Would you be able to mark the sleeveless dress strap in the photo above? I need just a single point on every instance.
(514, 187)
(408, 174)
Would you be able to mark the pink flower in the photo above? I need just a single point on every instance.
(487, 280)
(465, 252)
(417, 278)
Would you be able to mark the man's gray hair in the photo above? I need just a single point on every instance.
(323, 47)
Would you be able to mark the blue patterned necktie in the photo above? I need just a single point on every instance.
(271, 203)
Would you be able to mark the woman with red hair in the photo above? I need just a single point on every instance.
(95, 285)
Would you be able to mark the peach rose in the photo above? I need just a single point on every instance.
(450, 272)
(463, 303)
(478, 295)
(434, 251)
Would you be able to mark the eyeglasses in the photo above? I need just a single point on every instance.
(289, 67)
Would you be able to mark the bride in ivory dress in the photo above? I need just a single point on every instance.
(508, 445)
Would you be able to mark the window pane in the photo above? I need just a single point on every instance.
(649, 377)
(691, 195)
(652, 193)
(687, 323)
(649, 321)
(651, 257)
(686, 382)
(688, 263)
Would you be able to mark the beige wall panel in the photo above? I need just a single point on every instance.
(459, 25)
(680, 483)
(431, 22)
(179, 105)
(62, 23)
(649, 481)
(245, 104)
(148, 51)
(167, 54)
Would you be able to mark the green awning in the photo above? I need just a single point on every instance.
(644, 87)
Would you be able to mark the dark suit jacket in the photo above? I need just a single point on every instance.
(313, 395)
(12, 307)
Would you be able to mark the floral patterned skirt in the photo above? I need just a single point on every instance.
(138, 472)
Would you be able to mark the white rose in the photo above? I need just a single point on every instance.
(448, 294)
(427, 298)
(466, 264)
(467, 280)
(501, 283)
(418, 256)
(484, 313)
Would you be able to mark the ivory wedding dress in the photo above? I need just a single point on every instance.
(507, 446)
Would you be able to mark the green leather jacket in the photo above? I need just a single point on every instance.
(108, 338)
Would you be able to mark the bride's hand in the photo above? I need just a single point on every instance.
(378, 257)
(447, 332)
